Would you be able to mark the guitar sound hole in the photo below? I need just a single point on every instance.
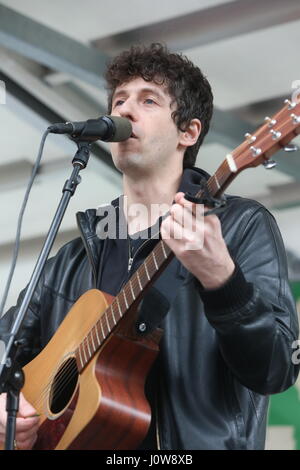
(63, 385)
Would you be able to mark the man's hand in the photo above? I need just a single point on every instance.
(26, 426)
(198, 244)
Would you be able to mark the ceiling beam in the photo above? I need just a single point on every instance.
(44, 101)
(51, 48)
(207, 26)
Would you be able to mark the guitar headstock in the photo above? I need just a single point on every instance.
(275, 134)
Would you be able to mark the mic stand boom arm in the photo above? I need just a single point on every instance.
(11, 374)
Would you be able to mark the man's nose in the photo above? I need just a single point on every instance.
(129, 110)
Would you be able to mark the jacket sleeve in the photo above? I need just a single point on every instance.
(254, 313)
(30, 328)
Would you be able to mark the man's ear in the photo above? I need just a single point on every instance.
(190, 136)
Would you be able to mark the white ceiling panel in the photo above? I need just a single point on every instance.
(93, 19)
(20, 136)
(252, 67)
(99, 185)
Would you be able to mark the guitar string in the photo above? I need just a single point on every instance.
(41, 398)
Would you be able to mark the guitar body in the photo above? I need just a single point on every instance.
(103, 406)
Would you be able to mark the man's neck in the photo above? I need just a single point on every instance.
(147, 198)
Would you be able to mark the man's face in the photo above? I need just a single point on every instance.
(155, 136)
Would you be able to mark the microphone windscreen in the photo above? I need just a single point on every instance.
(123, 129)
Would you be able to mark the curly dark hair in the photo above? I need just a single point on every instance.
(185, 83)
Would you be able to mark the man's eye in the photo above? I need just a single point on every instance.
(118, 102)
(149, 101)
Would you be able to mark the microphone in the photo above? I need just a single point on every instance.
(106, 128)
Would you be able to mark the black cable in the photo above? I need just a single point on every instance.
(20, 220)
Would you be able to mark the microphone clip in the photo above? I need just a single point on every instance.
(83, 153)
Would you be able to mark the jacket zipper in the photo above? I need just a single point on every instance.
(90, 257)
(131, 258)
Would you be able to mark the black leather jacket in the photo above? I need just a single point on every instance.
(223, 352)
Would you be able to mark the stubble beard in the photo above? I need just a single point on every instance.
(130, 163)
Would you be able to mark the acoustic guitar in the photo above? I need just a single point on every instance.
(88, 382)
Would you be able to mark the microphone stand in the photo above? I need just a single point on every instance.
(11, 374)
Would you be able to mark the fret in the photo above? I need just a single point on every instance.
(223, 170)
(162, 255)
(124, 295)
(80, 358)
(122, 303)
(154, 259)
(136, 285)
(132, 293)
(151, 266)
(88, 346)
(211, 185)
(146, 269)
(220, 172)
(217, 181)
(163, 249)
(93, 344)
(108, 325)
(138, 278)
(117, 298)
(103, 335)
(85, 360)
(96, 329)
(113, 314)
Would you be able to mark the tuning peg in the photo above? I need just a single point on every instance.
(250, 138)
(276, 134)
(291, 148)
(270, 122)
(291, 104)
(255, 151)
(296, 119)
(269, 164)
